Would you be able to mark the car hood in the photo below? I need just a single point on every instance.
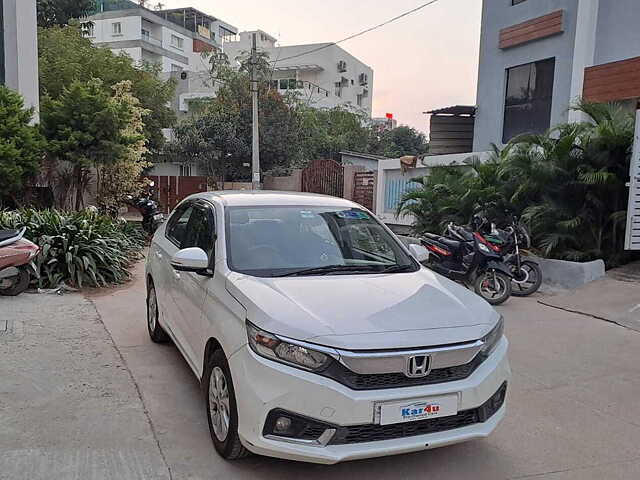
(362, 312)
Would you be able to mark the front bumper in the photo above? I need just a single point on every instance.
(262, 386)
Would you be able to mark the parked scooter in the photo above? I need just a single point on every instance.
(526, 273)
(152, 217)
(16, 255)
(471, 261)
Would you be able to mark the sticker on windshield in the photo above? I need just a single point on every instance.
(353, 215)
(307, 214)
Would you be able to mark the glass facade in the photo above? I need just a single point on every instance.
(528, 98)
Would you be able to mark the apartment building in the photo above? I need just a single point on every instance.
(175, 39)
(323, 74)
(537, 57)
(19, 49)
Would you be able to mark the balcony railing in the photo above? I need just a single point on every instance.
(146, 36)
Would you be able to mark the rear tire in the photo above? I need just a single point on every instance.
(494, 287)
(19, 285)
(222, 409)
(529, 280)
(156, 332)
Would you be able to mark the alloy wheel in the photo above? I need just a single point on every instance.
(219, 403)
(152, 309)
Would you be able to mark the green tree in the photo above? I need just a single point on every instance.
(60, 12)
(86, 127)
(398, 142)
(120, 178)
(21, 145)
(568, 184)
(66, 56)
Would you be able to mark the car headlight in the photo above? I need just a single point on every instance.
(269, 346)
(491, 339)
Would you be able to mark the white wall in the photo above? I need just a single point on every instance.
(131, 29)
(327, 76)
(21, 50)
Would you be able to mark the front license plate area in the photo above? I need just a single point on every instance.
(417, 409)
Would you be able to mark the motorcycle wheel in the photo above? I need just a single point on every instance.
(527, 281)
(17, 284)
(494, 287)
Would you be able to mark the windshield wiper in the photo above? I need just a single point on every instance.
(398, 269)
(349, 268)
(333, 269)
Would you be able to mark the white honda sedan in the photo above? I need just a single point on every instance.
(316, 334)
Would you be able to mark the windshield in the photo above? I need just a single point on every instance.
(279, 241)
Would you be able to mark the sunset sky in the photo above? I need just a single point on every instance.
(424, 61)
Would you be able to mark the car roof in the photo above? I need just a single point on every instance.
(249, 198)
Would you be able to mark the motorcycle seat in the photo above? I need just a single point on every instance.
(453, 244)
(7, 234)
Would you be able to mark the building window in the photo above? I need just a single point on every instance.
(177, 42)
(116, 28)
(516, 2)
(528, 99)
(185, 170)
(359, 99)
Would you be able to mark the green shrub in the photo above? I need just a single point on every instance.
(78, 248)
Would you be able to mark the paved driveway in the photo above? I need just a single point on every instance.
(574, 408)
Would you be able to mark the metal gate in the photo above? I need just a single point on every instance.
(363, 188)
(633, 214)
(170, 191)
(325, 177)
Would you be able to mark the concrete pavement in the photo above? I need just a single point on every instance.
(573, 405)
(69, 408)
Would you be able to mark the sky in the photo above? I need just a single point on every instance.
(425, 61)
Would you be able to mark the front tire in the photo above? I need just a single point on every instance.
(19, 284)
(528, 280)
(494, 287)
(156, 332)
(222, 410)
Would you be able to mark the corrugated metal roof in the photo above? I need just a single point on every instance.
(455, 110)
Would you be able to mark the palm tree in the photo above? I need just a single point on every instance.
(570, 182)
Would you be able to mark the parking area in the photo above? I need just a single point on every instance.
(573, 405)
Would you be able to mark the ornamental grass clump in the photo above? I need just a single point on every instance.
(78, 248)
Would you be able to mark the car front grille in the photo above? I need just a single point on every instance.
(375, 433)
(356, 381)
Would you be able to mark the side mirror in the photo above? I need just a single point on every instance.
(190, 260)
(420, 253)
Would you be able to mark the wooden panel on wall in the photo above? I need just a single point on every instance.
(541, 27)
(612, 81)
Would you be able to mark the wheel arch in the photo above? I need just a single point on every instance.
(213, 345)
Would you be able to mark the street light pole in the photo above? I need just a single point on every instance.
(255, 159)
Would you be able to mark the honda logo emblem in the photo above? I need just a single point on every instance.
(418, 366)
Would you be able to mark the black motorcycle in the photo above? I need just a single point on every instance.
(527, 274)
(152, 217)
(471, 260)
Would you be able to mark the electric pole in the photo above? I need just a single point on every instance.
(255, 160)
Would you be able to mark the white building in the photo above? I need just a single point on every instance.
(175, 39)
(327, 77)
(19, 49)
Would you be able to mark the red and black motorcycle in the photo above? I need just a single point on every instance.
(526, 273)
(472, 260)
